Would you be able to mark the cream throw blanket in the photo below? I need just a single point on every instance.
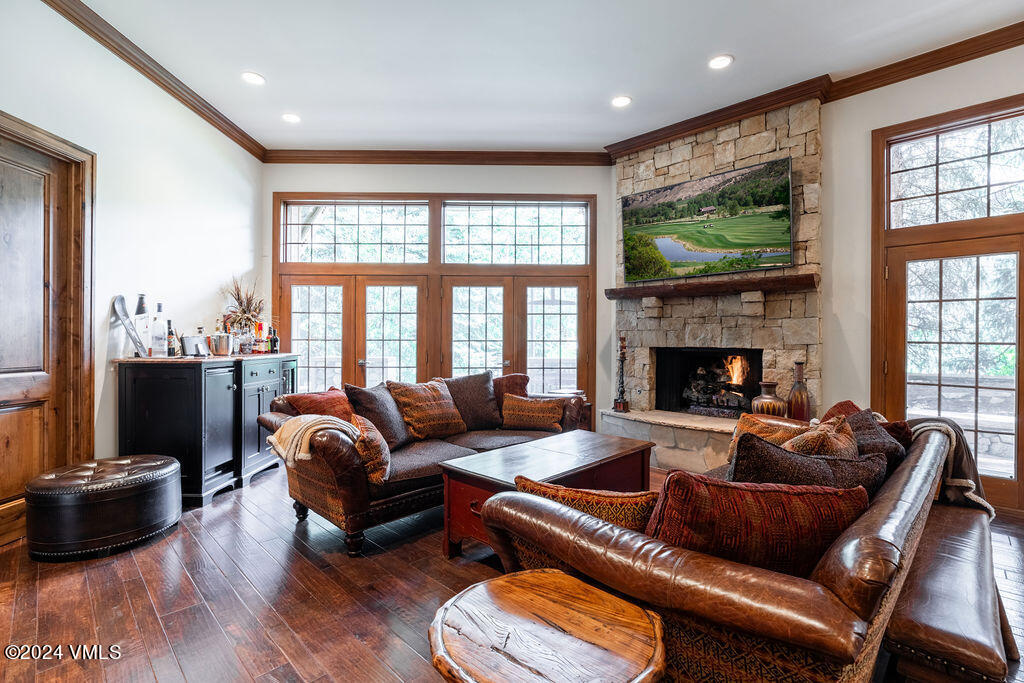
(291, 441)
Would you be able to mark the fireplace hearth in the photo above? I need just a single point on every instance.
(718, 382)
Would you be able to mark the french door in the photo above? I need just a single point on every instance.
(531, 325)
(952, 348)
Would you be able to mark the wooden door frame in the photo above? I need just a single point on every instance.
(883, 326)
(77, 316)
(426, 367)
(508, 315)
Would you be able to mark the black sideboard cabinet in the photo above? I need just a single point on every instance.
(202, 412)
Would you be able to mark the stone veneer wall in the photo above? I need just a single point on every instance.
(787, 325)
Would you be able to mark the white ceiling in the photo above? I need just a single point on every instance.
(527, 75)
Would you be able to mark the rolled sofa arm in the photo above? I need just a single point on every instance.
(756, 601)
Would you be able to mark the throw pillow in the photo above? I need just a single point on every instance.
(898, 430)
(543, 414)
(628, 510)
(377, 406)
(781, 528)
(509, 384)
(373, 450)
(474, 397)
(428, 409)
(761, 462)
(332, 402)
(871, 437)
(833, 437)
(772, 430)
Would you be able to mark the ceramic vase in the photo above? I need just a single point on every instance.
(799, 398)
(768, 403)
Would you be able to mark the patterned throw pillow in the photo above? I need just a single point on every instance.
(543, 414)
(898, 430)
(782, 528)
(628, 510)
(474, 398)
(514, 384)
(834, 438)
(871, 437)
(372, 448)
(332, 402)
(378, 406)
(428, 409)
(772, 430)
(761, 462)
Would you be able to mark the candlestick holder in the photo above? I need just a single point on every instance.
(620, 404)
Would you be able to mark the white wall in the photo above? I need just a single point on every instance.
(846, 199)
(177, 203)
(597, 180)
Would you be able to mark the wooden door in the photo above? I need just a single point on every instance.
(317, 322)
(34, 261)
(391, 328)
(477, 330)
(952, 348)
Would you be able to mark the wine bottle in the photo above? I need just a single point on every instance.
(156, 326)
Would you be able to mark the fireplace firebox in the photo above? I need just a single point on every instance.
(719, 382)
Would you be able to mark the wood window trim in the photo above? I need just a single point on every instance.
(435, 270)
(78, 351)
(882, 238)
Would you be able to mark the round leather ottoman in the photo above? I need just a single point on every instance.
(99, 506)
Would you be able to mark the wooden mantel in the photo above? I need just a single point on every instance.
(753, 283)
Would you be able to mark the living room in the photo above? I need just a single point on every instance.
(454, 341)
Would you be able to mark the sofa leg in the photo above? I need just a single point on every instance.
(354, 541)
(301, 511)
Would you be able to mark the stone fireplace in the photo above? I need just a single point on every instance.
(717, 382)
(748, 313)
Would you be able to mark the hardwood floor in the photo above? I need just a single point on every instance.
(239, 591)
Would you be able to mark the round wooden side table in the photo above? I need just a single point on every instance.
(544, 625)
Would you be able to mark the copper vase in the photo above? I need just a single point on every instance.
(768, 403)
(799, 398)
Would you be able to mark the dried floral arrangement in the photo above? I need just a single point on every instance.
(246, 307)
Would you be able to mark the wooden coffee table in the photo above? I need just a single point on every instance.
(544, 625)
(579, 458)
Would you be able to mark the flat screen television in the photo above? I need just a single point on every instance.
(729, 222)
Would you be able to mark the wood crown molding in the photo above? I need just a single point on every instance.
(814, 88)
(752, 283)
(96, 26)
(439, 157)
(941, 58)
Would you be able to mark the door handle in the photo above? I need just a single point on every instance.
(474, 507)
(232, 387)
(361, 362)
(506, 363)
(272, 371)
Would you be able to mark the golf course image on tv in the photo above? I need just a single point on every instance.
(732, 221)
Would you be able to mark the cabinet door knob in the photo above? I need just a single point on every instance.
(272, 371)
(232, 387)
(253, 373)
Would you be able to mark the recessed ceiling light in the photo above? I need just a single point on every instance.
(720, 61)
(621, 101)
(290, 118)
(253, 78)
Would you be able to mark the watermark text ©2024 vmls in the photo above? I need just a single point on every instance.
(60, 651)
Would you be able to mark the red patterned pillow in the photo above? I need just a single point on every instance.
(628, 510)
(543, 414)
(331, 402)
(844, 408)
(514, 384)
(774, 526)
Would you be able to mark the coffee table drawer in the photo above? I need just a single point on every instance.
(463, 503)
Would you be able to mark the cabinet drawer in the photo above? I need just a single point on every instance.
(254, 372)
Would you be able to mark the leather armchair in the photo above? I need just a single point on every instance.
(333, 481)
(726, 621)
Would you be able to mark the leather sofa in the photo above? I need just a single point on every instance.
(333, 482)
(726, 621)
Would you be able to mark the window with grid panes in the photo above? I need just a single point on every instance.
(478, 330)
(552, 341)
(516, 232)
(356, 232)
(965, 173)
(391, 335)
(316, 335)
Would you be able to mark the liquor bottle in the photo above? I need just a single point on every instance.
(142, 323)
(275, 341)
(172, 341)
(156, 326)
(260, 344)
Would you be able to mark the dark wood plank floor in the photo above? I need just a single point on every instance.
(239, 591)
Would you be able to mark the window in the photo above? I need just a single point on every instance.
(962, 351)
(356, 232)
(552, 344)
(519, 233)
(316, 335)
(478, 330)
(391, 334)
(960, 174)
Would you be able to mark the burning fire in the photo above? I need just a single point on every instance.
(737, 367)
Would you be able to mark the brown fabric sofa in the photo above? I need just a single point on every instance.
(333, 482)
(726, 621)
